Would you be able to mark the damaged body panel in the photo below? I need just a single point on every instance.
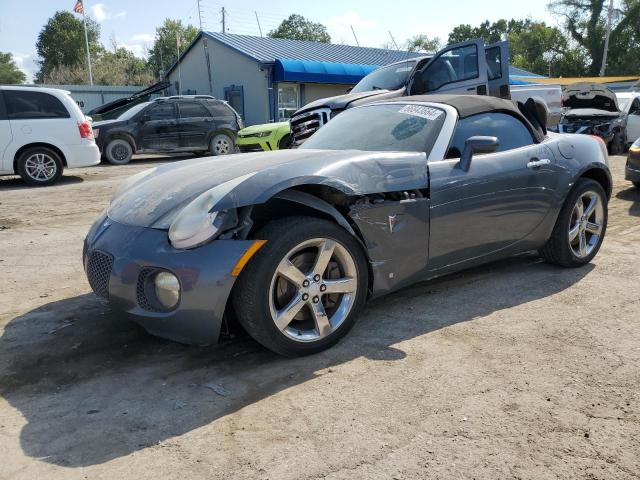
(385, 195)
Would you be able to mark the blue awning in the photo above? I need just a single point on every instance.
(307, 71)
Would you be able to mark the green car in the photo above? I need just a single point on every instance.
(270, 136)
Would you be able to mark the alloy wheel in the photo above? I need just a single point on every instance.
(41, 167)
(585, 226)
(313, 290)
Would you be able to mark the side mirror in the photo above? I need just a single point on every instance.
(477, 144)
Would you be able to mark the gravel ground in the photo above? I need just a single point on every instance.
(514, 370)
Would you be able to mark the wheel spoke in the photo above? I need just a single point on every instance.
(591, 207)
(289, 271)
(325, 252)
(342, 285)
(583, 244)
(594, 228)
(320, 317)
(573, 233)
(579, 209)
(284, 317)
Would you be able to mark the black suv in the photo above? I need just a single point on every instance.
(182, 123)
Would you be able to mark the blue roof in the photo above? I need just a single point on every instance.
(287, 70)
(268, 50)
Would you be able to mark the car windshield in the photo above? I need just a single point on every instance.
(382, 127)
(129, 114)
(391, 77)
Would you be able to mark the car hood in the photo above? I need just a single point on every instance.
(154, 198)
(265, 127)
(589, 96)
(341, 102)
(107, 123)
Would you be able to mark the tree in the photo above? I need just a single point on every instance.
(586, 20)
(61, 43)
(9, 71)
(296, 27)
(164, 52)
(422, 43)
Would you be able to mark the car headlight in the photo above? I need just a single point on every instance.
(198, 223)
(96, 132)
(263, 134)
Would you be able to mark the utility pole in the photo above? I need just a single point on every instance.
(258, 20)
(206, 49)
(393, 40)
(224, 20)
(86, 40)
(179, 69)
(354, 35)
(606, 39)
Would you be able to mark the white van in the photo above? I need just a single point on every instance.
(42, 131)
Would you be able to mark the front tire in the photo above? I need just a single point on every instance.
(39, 166)
(301, 292)
(580, 227)
(636, 184)
(118, 151)
(616, 146)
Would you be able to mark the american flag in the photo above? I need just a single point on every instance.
(78, 8)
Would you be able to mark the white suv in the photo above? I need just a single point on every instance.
(42, 131)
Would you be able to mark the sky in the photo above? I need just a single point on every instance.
(133, 23)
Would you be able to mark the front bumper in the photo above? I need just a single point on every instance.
(632, 169)
(118, 258)
(257, 144)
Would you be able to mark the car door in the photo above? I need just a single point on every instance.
(194, 124)
(498, 202)
(459, 68)
(633, 121)
(158, 130)
(5, 138)
(497, 59)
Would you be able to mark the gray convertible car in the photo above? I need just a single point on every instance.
(291, 243)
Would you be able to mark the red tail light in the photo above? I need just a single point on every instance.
(85, 130)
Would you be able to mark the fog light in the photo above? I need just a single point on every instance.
(167, 289)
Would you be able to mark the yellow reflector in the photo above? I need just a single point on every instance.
(246, 256)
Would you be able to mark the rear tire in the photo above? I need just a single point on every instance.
(580, 227)
(39, 166)
(636, 184)
(285, 142)
(118, 151)
(264, 299)
(221, 144)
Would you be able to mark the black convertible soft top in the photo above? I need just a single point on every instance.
(468, 105)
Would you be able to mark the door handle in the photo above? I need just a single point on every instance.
(535, 163)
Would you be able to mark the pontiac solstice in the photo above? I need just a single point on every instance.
(292, 243)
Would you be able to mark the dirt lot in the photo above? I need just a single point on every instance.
(514, 370)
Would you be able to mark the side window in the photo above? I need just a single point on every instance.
(511, 132)
(161, 111)
(25, 104)
(635, 107)
(3, 111)
(454, 65)
(494, 63)
(220, 109)
(192, 110)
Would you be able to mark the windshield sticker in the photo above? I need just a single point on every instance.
(421, 111)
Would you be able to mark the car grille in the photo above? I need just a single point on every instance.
(251, 147)
(306, 124)
(99, 267)
(142, 287)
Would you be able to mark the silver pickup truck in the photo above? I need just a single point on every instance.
(458, 68)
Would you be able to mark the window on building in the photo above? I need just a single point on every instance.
(288, 100)
(22, 104)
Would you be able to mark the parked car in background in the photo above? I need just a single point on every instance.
(43, 131)
(470, 68)
(632, 170)
(266, 137)
(592, 109)
(292, 243)
(182, 123)
(629, 105)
